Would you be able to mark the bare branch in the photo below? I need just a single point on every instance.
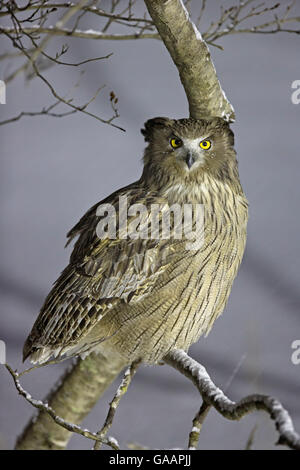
(74, 428)
(16, 36)
(78, 64)
(72, 399)
(215, 397)
(192, 59)
(91, 9)
(205, 407)
(230, 21)
(18, 30)
(122, 389)
(68, 102)
(250, 439)
(44, 112)
(197, 425)
(77, 33)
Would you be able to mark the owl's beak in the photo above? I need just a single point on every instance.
(190, 160)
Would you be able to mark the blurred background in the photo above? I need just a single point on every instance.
(54, 169)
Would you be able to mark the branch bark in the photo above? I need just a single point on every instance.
(215, 397)
(73, 398)
(192, 59)
(77, 33)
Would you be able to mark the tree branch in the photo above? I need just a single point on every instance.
(122, 389)
(77, 33)
(73, 428)
(192, 59)
(197, 425)
(68, 5)
(72, 399)
(215, 397)
(47, 111)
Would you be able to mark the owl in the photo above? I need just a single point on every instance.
(140, 293)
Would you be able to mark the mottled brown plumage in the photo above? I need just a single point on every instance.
(140, 298)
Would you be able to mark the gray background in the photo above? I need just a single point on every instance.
(53, 170)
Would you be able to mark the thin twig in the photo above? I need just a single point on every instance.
(122, 389)
(250, 439)
(90, 9)
(82, 109)
(111, 442)
(197, 425)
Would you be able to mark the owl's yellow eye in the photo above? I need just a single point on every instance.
(175, 143)
(205, 144)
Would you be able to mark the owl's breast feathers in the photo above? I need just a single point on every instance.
(144, 297)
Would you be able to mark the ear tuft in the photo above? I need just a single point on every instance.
(151, 124)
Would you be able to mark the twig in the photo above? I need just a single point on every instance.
(250, 439)
(230, 20)
(82, 109)
(90, 9)
(122, 389)
(76, 392)
(111, 442)
(18, 30)
(43, 112)
(197, 425)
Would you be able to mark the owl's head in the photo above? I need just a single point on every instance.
(188, 147)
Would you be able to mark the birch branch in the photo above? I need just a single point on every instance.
(73, 428)
(72, 399)
(215, 397)
(122, 389)
(192, 59)
(76, 33)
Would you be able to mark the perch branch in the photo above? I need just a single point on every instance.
(205, 407)
(111, 442)
(72, 399)
(215, 397)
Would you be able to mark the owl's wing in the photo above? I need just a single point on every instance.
(102, 274)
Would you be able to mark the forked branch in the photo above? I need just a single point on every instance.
(215, 397)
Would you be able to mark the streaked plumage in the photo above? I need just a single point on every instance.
(141, 298)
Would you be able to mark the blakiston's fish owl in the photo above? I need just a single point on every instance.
(142, 297)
